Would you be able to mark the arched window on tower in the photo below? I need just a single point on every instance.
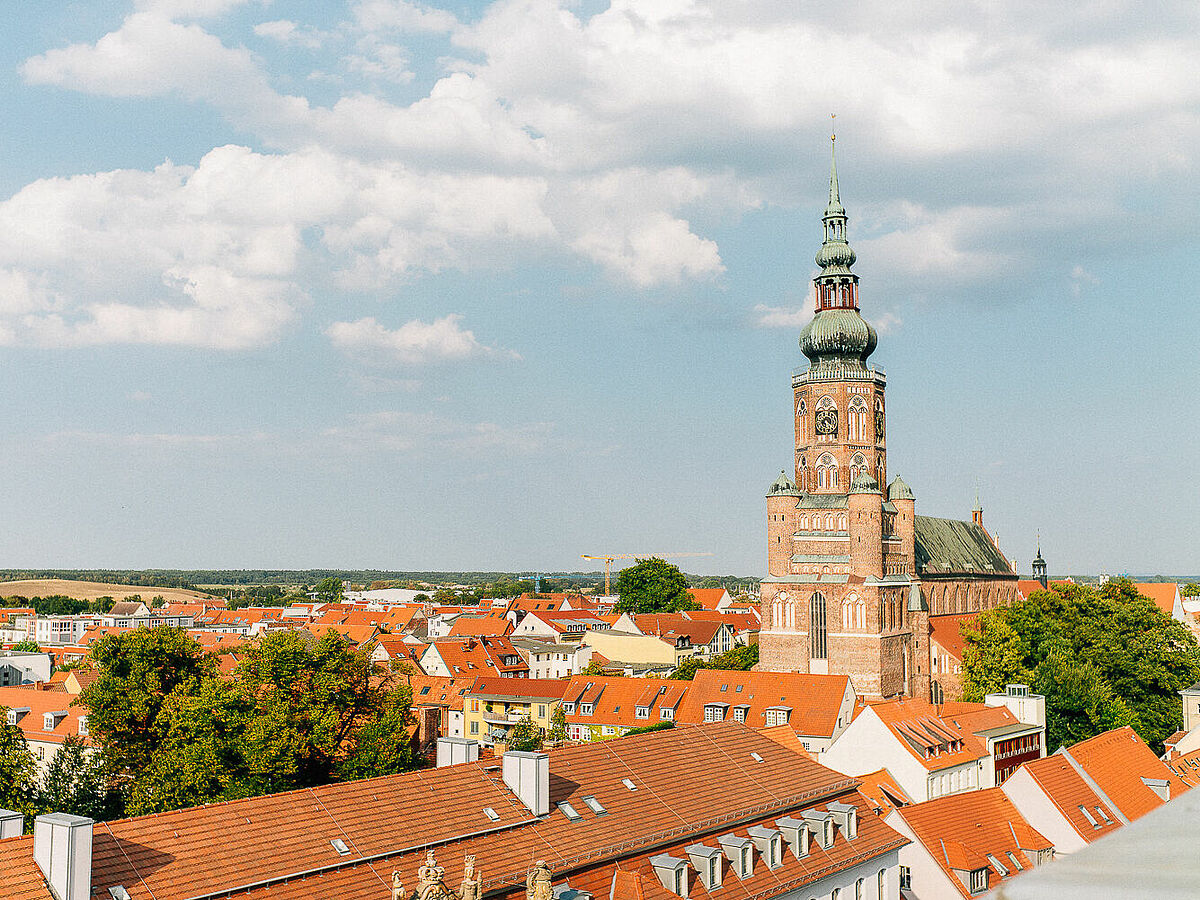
(829, 521)
(804, 523)
(818, 633)
(777, 611)
(841, 522)
(827, 474)
(860, 614)
(858, 465)
(802, 420)
(847, 614)
(856, 417)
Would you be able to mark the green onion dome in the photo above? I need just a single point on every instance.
(838, 334)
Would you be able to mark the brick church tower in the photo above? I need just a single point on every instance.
(851, 569)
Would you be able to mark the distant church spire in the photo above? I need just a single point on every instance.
(1039, 564)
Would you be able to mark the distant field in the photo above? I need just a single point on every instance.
(90, 590)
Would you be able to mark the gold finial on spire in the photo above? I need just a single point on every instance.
(833, 127)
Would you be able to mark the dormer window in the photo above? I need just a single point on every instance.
(585, 709)
(642, 712)
(979, 880)
(666, 713)
(739, 714)
(714, 712)
(568, 707)
(745, 862)
(83, 728)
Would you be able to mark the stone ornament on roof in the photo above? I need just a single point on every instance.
(538, 882)
(431, 882)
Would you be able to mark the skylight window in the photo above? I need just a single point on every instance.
(594, 805)
(569, 811)
(757, 758)
(629, 784)
(340, 846)
(491, 814)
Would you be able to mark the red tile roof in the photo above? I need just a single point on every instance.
(433, 690)
(708, 598)
(942, 736)
(690, 784)
(962, 830)
(541, 688)
(615, 701)
(1117, 761)
(1187, 767)
(882, 789)
(1162, 593)
(671, 626)
(1067, 790)
(482, 626)
(946, 632)
(39, 703)
(815, 700)
(473, 656)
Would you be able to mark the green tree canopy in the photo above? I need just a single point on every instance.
(739, 658)
(1102, 658)
(329, 590)
(77, 782)
(653, 585)
(18, 771)
(138, 670)
(558, 724)
(26, 647)
(524, 735)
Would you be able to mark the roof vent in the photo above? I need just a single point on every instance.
(629, 784)
(757, 758)
(340, 846)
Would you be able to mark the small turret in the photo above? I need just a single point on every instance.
(977, 511)
(781, 512)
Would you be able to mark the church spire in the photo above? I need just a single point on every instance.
(835, 200)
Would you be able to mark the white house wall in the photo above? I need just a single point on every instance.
(1041, 812)
(928, 880)
(867, 745)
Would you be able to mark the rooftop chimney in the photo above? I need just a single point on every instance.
(527, 775)
(452, 750)
(62, 848)
(11, 823)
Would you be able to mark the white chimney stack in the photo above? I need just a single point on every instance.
(11, 823)
(62, 848)
(527, 775)
(451, 751)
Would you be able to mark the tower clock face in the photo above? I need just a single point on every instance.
(879, 426)
(827, 421)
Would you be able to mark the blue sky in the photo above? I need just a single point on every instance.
(492, 285)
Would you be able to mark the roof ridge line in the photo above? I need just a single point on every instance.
(1091, 782)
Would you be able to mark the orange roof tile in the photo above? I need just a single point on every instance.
(39, 703)
(947, 632)
(708, 598)
(1162, 593)
(615, 700)
(815, 700)
(545, 688)
(1117, 761)
(480, 626)
(882, 789)
(963, 830)
(1067, 790)
(689, 784)
(942, 736)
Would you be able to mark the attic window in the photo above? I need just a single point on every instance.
(737, 689)
(118, 892)
(1103, 815)
(1087, 815)
(757, 758)
(569, 811)
(1000, 868)
(424, 690)
(340, 846)
(491, 814)
(594, 805)
(1012, 859)
(629, 784)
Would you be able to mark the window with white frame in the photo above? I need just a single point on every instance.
(739, 714)
(642, 712)
(978, 880)
(714, 712)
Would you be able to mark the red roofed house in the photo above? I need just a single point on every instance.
(473, 656)
(711, 598)
(933, 751)
(719, 812)
(481, 626)
(598, 707)
(494, 705)
(946, 655)
(817, 708)
(45, 718)
(965, 845)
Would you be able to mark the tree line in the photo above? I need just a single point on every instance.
(172, 731)
(1103, 658)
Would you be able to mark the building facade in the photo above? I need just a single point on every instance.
(854, 575)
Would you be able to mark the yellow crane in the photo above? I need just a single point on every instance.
(608, 561)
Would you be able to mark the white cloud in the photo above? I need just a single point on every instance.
(400, 15)
(412, 343)
(782, 317)
(408, 431)
(378, 59)
(287, 32)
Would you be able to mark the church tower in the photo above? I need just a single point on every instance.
(840, 553)
(1039, 565)
(839, 401)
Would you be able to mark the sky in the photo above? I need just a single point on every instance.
(479, 286)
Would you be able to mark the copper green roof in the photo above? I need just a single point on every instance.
(822, 501)
(951, 547)
(899, 490)
(783, 485)
(865, 483)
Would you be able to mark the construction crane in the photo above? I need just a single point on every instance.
(608, 561)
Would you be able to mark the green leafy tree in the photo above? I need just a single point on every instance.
(653, 585)
(1190, 589)
(558, 725)
(77, 782)
(739, 658)
(382, 744)
(329, 590)
(18, 771)
(138, 671)
(1120, 658)
(524, 735)
(26, 647)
